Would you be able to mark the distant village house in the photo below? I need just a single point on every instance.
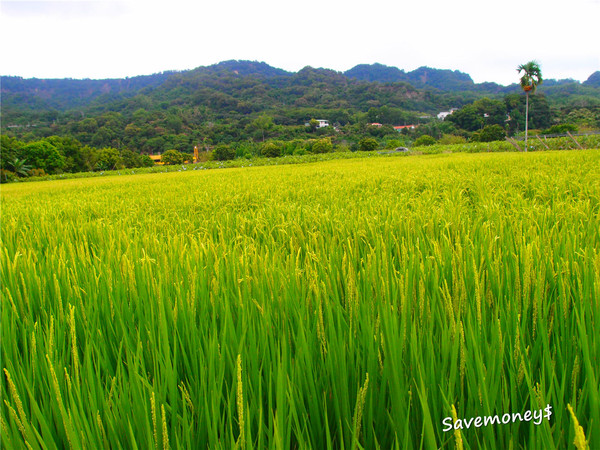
(445, 114)
(321, 123)
(405, 127)
(156, 159)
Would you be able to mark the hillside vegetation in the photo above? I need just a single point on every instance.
(245, 108)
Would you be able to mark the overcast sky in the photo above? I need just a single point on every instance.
(119, 38)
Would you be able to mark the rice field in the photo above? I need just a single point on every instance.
(374, 303)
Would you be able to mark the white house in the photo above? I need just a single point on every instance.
(321, 123)
(445, 114)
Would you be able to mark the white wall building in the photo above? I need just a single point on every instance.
(445, 114)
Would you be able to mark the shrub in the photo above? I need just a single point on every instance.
(37, 173)
(450, 139)
(133, 160)
(393, 143)
(563, 128)
(130, 159)
(223, 153)
(489, 133)
(270, 150)
(6, 176)
(146, 161)
(368, 145)
(109, 159)
(289, 147)
(322, 146)
(424, 141)
(172, 157)
(43, 155)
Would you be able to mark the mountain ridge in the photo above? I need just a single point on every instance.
(375, 72)
(237, 91)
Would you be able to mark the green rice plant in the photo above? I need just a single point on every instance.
(353, 303)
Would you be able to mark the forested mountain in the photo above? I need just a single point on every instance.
(254, 68)
(225, 90)
(255, 86)
(244, 101)
(423, 77)
(377, 72)
(63, 94)
(593, 80)
(456, 81)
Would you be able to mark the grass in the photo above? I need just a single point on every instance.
(345, 304)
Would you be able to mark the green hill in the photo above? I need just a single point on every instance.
(221, 103)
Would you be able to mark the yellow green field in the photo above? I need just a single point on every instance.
(343, 304)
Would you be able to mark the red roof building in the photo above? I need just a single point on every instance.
(402, 127)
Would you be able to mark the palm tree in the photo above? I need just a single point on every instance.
(19, 167)
(532, 77)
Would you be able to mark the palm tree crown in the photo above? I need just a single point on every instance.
(532, 76)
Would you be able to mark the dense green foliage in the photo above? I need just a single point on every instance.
(270, 150)
(593, 80)
(322, 146)
(367, 144)
(172, 157)
(424, 141)
(66, 126)
(423, 77)
(346, 304)
(223, 152)
(489, 133)
(56, 155)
